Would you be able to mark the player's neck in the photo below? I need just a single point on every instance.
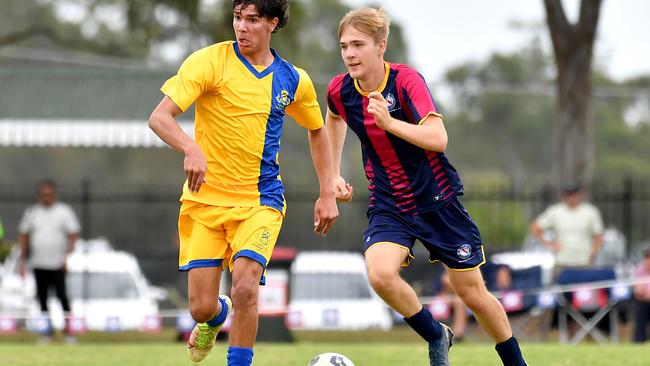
(263, 57)
(374, 80)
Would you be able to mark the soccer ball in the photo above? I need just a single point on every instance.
(330, 359)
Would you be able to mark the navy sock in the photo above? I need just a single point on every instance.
(221, 317)
(424, 324)
(239, 356)
(510, 353)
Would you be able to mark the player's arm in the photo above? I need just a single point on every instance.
(163, 122)
(306, 111)
(430, 134)
(325, 210)
(337, 129)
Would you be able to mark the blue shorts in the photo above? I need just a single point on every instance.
(449, 234)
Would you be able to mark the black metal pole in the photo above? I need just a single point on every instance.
(627, 212)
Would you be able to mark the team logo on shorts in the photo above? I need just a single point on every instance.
(464, 252)
(262, 241)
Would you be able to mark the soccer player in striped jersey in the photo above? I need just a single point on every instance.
(233, 203)
(413, 188)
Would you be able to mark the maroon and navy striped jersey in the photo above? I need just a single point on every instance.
(402, 177)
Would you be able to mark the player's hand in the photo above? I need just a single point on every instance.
(195, 167)
(378, 107)
(343, 190)
(325, 214)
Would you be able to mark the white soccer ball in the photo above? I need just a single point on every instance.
(330, 359)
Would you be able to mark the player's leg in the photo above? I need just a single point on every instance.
(246, 276)
(453, 238)
(207, 308)
(489, 313)
(202, 251)
(252, 241)
(384, 261)
(469, 286)
(203, 292)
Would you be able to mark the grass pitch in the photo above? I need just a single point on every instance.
(299, 354)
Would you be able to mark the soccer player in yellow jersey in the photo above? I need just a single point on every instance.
(232, 203)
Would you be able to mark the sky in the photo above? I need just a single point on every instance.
(444, 33)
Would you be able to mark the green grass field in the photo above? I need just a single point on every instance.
(299, 354)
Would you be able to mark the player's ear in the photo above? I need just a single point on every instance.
(383, 43)
(273, 23)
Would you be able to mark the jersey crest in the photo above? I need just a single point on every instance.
(283, 100)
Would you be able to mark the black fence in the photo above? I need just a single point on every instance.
(144, 222)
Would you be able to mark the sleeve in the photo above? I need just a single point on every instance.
(71, 222)
(25, 225)
(305, 108)
(415, 96)
(546, 219)
(194, 77)
(332, 89)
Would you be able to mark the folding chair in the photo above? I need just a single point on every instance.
(573, 305)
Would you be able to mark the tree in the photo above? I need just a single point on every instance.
(501, 116)
(574, 125)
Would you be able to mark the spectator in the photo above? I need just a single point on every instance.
(578, 229)
(48, 231)
(642, 298)
(503, 280)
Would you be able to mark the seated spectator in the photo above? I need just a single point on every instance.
(642, 297)
(503, 280)
(513, 285)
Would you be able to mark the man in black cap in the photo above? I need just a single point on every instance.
(577, 229)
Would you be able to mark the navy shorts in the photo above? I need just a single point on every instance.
(449, 234)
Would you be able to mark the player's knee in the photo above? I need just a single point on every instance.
(244, 295)
(473, 297)
(202, 312)
(380, 279)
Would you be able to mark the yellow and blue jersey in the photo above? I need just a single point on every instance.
(240, 109)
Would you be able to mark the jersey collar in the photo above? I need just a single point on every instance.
(381, 87)
(251, 68)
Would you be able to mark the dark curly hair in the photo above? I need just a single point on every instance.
(269, 9)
